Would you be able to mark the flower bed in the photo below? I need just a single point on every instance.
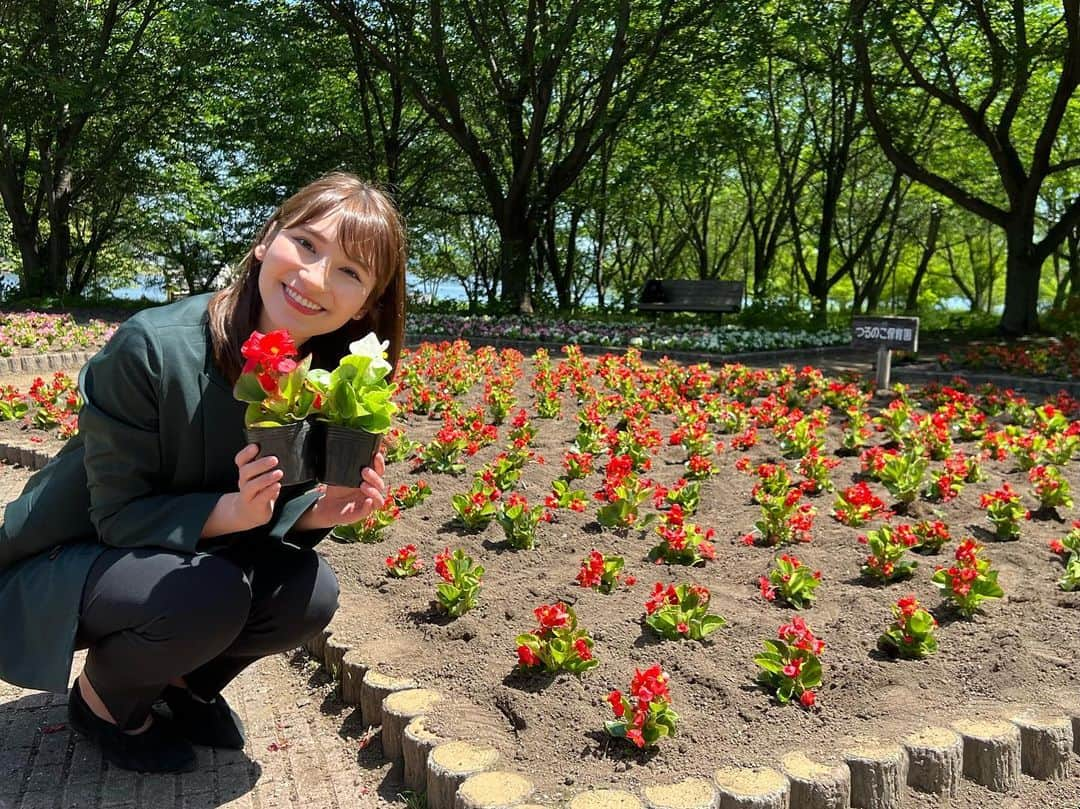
(750, 682)
(37, 332)
(648, 335)
(1053, 358)
(47, 412)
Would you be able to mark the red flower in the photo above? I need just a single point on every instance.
(635, 736)
(616, 700)
(268, 382)
(552, 616)
(441, 566)
(649, 684)
(908, 605)
(526, 656)
(660, 597)
(582, 649)
(273, 350)
(807, 699)
(768, 592)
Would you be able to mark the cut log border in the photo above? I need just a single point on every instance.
(348, 668)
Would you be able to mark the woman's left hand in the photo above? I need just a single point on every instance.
(342, 505)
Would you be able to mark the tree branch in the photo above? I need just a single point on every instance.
(899, 157)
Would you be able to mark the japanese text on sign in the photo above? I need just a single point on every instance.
(886, 332)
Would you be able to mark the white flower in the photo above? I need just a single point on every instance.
(369, 346)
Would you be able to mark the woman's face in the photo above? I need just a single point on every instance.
(308, 285)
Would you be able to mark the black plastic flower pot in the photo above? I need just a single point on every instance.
(345, 453)
(292, 444)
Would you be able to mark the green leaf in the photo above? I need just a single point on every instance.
(710, 623)
(248, 389)
(811, 673)
(770, 663)
(615, 728)
(921, 622)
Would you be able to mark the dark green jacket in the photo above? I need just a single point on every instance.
(157, 437)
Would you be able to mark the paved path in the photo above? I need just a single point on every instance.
(303, 747)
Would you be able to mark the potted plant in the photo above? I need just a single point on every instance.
(356, 410)
(279, 399)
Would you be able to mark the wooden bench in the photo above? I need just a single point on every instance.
(683, 295)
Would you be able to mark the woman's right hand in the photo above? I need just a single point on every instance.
(260, 485)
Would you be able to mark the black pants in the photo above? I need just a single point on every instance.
(150, 615)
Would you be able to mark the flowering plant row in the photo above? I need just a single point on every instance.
(41, 332)
(727, 339)
(52, 405)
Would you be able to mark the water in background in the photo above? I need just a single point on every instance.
(146, 287)
(446, 290)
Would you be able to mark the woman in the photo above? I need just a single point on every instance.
(156, 539)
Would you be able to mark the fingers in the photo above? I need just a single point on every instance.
(375, 495)
(246, 454)
(258, 468)
(252, 488)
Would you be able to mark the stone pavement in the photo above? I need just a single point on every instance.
(304, 747)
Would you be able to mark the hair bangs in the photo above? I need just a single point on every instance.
(366, 229)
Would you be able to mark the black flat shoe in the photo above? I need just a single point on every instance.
(213, 724)
(157, 749)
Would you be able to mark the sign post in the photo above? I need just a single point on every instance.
(885, 334)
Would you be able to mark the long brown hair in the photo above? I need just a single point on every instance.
(370, 232)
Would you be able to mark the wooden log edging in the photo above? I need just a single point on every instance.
(872, 774)
(26, 457)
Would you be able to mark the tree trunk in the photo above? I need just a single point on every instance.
(912, 304)
(518, 231)
(1022, 271)
(31, 269)
(515, 264)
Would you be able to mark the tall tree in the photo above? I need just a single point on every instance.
(84, 88)
(527, 91)
(1005, 75)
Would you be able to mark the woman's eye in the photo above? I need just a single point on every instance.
(352, 273)
(300, 240)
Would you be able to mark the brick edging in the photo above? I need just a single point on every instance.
(991, 753)
(35, 363)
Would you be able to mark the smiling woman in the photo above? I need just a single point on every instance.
(308, 284)
(158, 497)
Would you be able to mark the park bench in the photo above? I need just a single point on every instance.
(698, 295)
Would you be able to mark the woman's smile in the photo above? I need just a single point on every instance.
(299, 302)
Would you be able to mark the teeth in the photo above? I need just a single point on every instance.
(300, 299)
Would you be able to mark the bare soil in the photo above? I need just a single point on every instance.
(1021, 651)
